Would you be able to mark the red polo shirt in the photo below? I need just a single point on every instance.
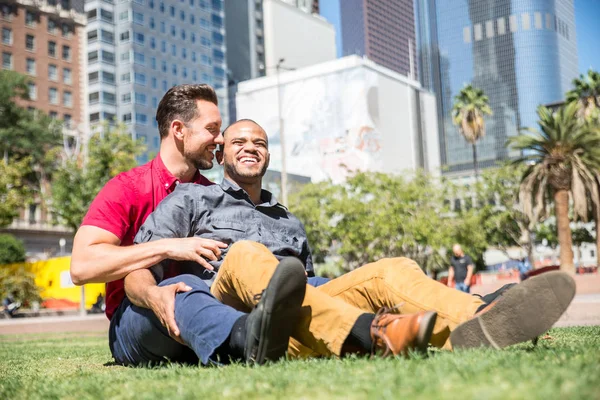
(124, 203)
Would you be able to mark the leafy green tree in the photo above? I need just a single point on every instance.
(580, 236)
(561, 159)
(26, 134)
(76, 183)
(374, 215)
(469, 108)
(11, 250)
(13, 191)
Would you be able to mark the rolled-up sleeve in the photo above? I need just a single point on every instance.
(173, 218)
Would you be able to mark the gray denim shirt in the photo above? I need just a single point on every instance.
(225, 213)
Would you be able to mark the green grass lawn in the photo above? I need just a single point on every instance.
(78, 366)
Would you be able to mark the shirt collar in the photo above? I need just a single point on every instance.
(168, 180)
(266, 197)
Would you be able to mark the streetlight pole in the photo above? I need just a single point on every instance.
(284, 186)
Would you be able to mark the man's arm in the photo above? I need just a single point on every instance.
(450, 276)
(470, 269)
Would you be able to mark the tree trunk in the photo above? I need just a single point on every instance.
(475, 167)
(561, 204)
(597, 240)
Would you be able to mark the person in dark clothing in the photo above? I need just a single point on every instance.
(461, 269)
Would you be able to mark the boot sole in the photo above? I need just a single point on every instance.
(425, 331)
(524, 312)
(279, 311)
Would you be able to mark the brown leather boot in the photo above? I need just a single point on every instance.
(397, 334)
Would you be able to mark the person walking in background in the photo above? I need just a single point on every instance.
(461, 270)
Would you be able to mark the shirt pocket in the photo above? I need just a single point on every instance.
(228, 231)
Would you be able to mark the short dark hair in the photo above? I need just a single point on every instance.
(180, 103)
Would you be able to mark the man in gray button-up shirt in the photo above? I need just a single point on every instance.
(228, 213)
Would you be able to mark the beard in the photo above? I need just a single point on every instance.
(199, 162)
(234, 172)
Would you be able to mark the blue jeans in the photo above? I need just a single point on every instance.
(317, 281)
(136, 335)
(462, 287)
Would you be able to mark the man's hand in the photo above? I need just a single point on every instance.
(195, 249)
(162, 302)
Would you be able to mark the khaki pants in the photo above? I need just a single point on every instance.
(329, 311)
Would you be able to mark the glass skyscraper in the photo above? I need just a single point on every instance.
(522, 53)
(138, 50)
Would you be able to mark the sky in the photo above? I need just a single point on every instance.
(587, 21)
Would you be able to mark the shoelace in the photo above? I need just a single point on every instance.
(258, 296)
(379, 330)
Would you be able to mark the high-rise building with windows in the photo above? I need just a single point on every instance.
(138, 50)
(522, 53)
(382, 30)
(44, 40)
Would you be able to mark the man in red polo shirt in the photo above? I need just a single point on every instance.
(189, 123)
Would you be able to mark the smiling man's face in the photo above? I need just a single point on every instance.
(246, 152)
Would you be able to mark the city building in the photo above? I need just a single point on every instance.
(44, 39)
(138, 50)
(521, 53)
(340, 116)
(382, 30)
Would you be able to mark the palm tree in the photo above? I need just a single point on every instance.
(586, 93)
(562, 158)
(470, 105)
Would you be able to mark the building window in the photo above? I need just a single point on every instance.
(526, 21)
(204, 23)
(67, 118)
(205, 60)
(124, 16)
(217, 39)
(93, 57)
(95, 117)
(52, 49)
(184, 53)
(172, 11)
(92, 15)
(164, 86)
(108, 98)
(489, 29)
(108, 57)
(162, 7)
(6, 60)
(478, 32)
(139, 58)
(194, 75)
(163, 27)
(125, 36)
(182, 15)
(501, 26)
(67, 99)
(153, 62)
(174, 69)
(139, 78)
(53, 115)
(53, 95)
(106, 15)
(512, 22)
(163, 66)
(52, 26)
(126, 98)
(7, 36)
(193, 37)
(32, 91)
(173, 50)
(154, 83)
(192, 19)
(217, 21)
(66, 30)
(93, 77)
(139, 37)
(538, 20)
(108, 77)
(173, 31)
(152, 43)
(183, 34)
(92, 36)
(138, 18)
(184, 72)
(66, 53)
(107, 37)
(52, 72)
(126, 77)
(30, 18)
(466, 34)
(65, 4)
(6, 12)
(549, 22)
(30, 66)
(163, 46)
(152, 24)
(140, 98)
(29, 42)
(127, 118)
(67, 76)
(141, 119)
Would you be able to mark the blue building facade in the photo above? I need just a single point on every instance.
(522, 53)
(138, 50)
